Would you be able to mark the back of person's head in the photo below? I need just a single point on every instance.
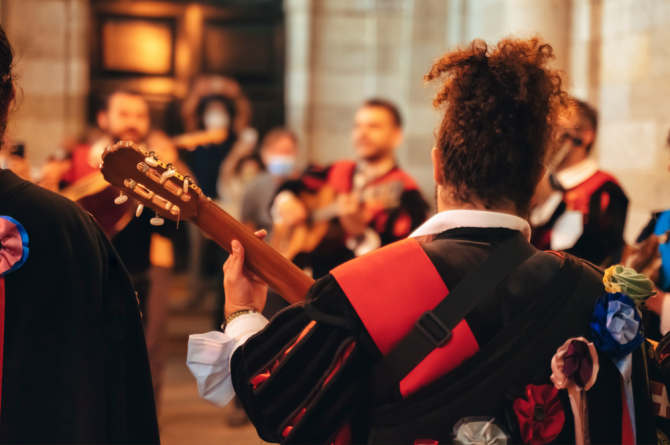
(387, 105)
(7, 90)
(501, 103)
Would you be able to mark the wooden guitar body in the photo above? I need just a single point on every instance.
(164, 190)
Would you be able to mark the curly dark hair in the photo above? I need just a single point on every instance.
(6, 81)
(500, 105)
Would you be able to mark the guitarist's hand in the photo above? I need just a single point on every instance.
(353, 216)
(244, 290)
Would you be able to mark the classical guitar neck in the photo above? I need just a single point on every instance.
(281, 275)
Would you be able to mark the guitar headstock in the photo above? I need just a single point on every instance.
(154, 184)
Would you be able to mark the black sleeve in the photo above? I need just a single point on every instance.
(602, 242)
(324, 372)
(412, 206)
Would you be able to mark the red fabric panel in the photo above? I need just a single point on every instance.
(79, 166)
(258, 380)
(397, 175)
(578, 198)
(389, 289)
(340, 176)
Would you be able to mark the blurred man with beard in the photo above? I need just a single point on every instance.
(376, 203)
(126, 118)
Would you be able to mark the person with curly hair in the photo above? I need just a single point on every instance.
(448, 335)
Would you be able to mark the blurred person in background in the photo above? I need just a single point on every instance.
(279, 153)
(579, 208)
(352, 207)
(651, 257)
(73, 359)
(217, 110)
(239, 169)
(146, 250)
(215, 105)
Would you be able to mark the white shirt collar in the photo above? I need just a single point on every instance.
(571, 177)
(452, 219)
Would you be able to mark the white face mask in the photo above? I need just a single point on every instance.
(281, 165)
(215, 120)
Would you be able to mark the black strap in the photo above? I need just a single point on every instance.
(433, 328)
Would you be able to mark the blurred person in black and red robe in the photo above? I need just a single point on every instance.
(581, 209)
(374, 202)
(73, 358)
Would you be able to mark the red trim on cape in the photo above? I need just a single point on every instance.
(389, 289)
(341, 174)
(579, 197)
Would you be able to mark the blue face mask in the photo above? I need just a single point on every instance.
(282, 166)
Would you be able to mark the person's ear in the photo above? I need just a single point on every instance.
(588, 136)
(438, 175)
(103, 119)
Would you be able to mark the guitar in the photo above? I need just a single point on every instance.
(163, 189)
(322, 207)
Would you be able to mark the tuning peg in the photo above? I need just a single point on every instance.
(121, 198)
(138, 212)
(151, 160)
(170, 172)
(186, 182)
(157, 221)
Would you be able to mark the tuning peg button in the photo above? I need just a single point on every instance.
(151, 161)
(186, 184)
(157, 221)
(121, 199)
(138, 212)
(169, 173)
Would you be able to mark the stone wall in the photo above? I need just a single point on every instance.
(613, 52)
(51, 45)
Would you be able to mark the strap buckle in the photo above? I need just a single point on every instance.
(429, 324)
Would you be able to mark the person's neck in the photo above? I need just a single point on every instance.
(374, 168)
(446, 201)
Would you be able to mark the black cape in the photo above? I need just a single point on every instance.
(75, 361)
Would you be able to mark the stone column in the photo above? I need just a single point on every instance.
(299, 36)
(51, 45)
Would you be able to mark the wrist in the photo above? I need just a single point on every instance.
(229, 309)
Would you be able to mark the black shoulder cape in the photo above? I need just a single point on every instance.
(75, 362)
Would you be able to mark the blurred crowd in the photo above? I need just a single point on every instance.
(316, 216)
